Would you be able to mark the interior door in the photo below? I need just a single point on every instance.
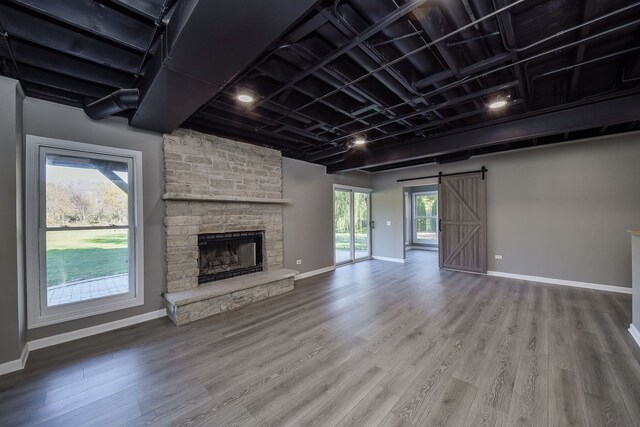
(463, 222)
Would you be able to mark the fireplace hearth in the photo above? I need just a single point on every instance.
(225, 255)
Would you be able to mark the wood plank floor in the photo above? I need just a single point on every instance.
(374, 343)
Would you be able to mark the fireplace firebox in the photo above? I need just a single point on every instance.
(225, 255)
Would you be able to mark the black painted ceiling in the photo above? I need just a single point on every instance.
(394, 71)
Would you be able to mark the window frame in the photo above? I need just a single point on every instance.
(414, 234)
(38, 312)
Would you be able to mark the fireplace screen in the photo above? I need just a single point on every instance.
(224, 255)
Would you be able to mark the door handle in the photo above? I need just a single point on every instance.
(440, 225)
(372, 225)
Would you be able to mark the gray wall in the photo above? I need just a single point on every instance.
(51, 120)
(12, 313)
(559, 212)
(308, 219)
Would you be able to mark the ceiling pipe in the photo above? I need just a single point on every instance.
(433, 22)
(482, 8)
(117, 102)
(482, 74)
(459, 16)
(359, 38)
(425, 64)
(472, 97)
(466, 72)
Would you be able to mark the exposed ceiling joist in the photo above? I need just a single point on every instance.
(391, 71)
(615, 111)
(46, 59)
(149, 9)
(91, 16)
(44, 33)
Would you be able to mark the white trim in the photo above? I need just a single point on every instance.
(352, 188)
(15, 365)
(635, 334)
(414, 219)
(315, 272)
(25, 354)
(384, 258)
(94, 330)
(422, 248)
(561, 282)
(38, 312)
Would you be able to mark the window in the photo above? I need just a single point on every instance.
(425, 218)
(84, 230)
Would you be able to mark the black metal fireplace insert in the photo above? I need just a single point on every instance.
(225, 255)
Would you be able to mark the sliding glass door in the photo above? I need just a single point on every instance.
(361, 225)
(342, 226)
(351, 225)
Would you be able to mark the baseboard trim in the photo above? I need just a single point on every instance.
(94, 330)
(422, 248)
(15, 365)
(315, 272)
(562, 282)
(384, 258)
(635, 334)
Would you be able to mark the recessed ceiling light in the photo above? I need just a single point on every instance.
(245, 97)
(498, 103)
(359, 140)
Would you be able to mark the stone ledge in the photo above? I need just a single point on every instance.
(227, 286)
(206, 300)
(184, 197)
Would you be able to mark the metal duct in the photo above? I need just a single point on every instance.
(206, 44)
(118, 101)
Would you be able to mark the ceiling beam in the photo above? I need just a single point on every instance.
(452, 102)
(581, 117)
(26, 53)
(472, 69)
(41, 32)
(587, 13)
(508, 36)
(60, 81)
(360, 38)
(219, 128)
(91, 16)
(148, 9)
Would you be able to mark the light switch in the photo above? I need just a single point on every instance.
(389, 223)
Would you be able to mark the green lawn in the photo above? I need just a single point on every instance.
(79, 255)
(342, 241)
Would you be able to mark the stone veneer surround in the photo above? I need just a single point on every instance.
(200, 166)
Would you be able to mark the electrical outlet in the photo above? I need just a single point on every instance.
(498, 256)
(388, 223)
(298, 261)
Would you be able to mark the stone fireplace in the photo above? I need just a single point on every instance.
(225, 255)
(223, 219)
